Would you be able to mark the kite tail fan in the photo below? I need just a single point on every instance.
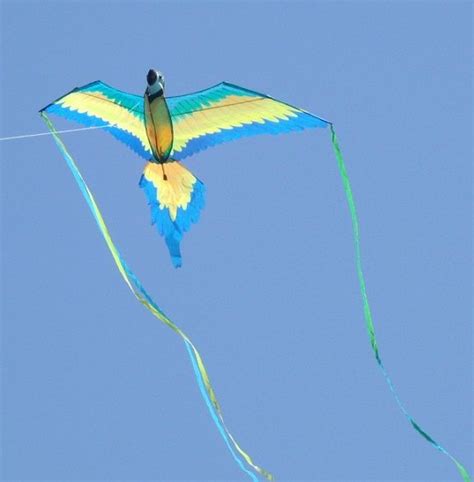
(175, 197)
(368, 312)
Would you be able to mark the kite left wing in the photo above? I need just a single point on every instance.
(98, 104)
(227, 112)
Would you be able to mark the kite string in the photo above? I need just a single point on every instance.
(65, 131)
(144, 298)
(367, 311)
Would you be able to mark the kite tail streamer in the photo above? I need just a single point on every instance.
(367, 312)
(144, 298)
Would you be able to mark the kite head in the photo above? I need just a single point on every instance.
(156, 82)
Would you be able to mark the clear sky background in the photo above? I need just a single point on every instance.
(95, 388)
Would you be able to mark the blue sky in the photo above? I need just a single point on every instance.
(94, 388)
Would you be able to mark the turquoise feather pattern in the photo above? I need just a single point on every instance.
(227, 112)
(97, 104)
(173, 220)
(200, 120)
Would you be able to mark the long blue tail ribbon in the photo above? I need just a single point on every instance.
(240, 456)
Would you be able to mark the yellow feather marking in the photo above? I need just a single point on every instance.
(176, 191)
(99, 105)
(232, 111)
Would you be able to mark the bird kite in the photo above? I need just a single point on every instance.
(166, 130)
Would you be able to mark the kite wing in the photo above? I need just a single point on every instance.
(226, 112)
(98, 104)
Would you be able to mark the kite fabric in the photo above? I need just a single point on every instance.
(167, 130)
(164, 131)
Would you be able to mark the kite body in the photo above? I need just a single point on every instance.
(174, 194)
(158, 124)
(165, 130)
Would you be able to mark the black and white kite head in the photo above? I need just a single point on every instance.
(156, 82)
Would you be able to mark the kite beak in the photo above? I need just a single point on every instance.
(151, 77)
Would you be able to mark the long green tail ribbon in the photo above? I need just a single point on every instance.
(202, 377)
(367, 312)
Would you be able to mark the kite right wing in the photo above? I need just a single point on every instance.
(226, 112)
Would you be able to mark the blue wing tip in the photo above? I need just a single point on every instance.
(177, 261)
(175, 252)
